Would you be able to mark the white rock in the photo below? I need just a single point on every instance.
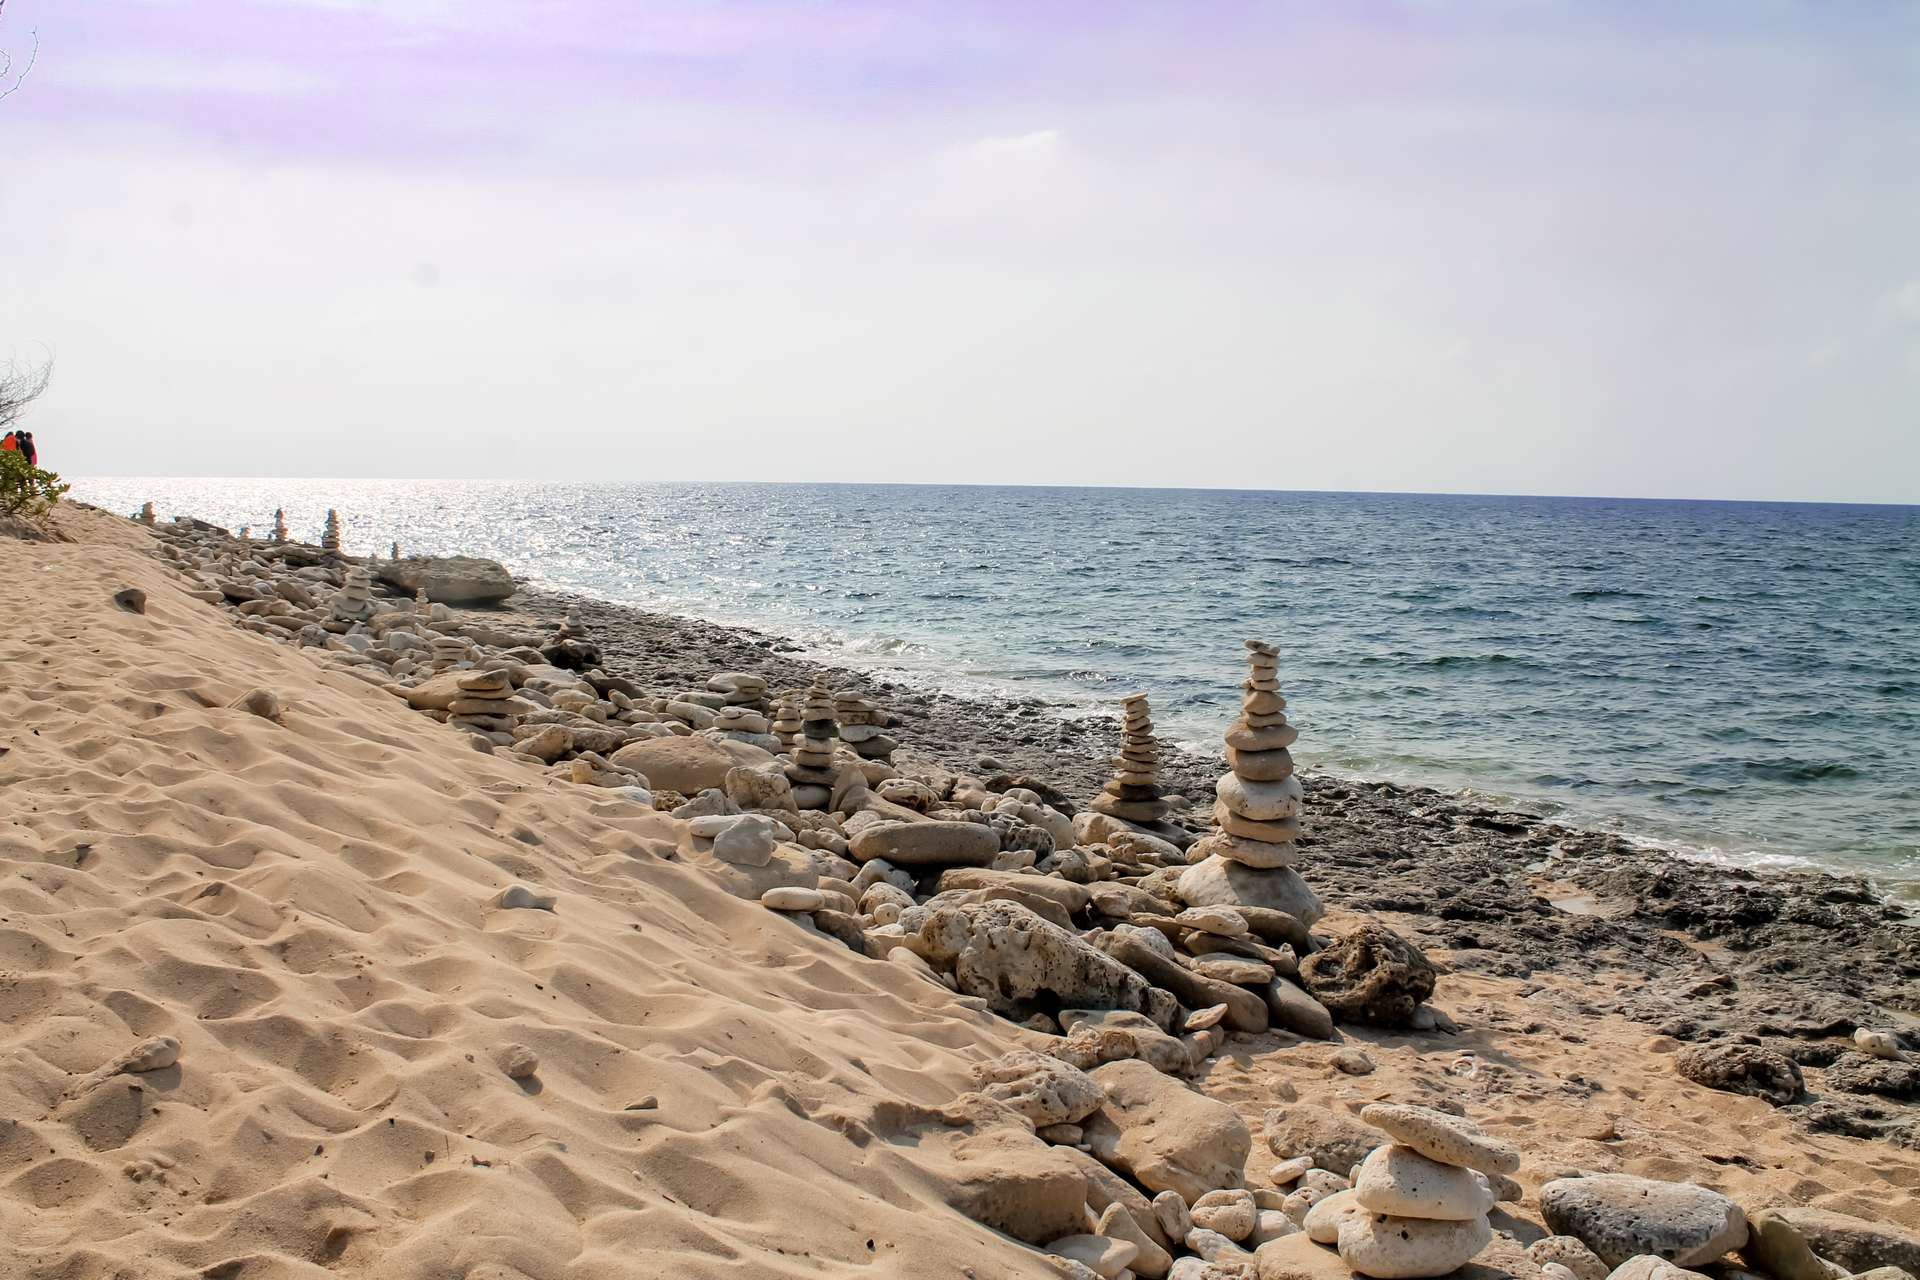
(793, 898)
(1881, 1044)
(1390, 1248)
(1171, 1211)
(1442, 1137)
(1400, 1181)
(1106, 1256)
(1322, 1223)
(1230, 1212)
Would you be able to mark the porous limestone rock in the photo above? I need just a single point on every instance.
(1371, 975)
(1442, 1137)
(1567, 1251)
(1043, 1089)
(1620, 1216)
(1017, 962)
(1164, 1135)
(1389, 1248)
(1401, 1182)
(1735, 1067)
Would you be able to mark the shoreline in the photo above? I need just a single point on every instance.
(1081, 729)
(1809, 951)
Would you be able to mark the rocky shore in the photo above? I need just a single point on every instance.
(1790, 959)
(1471, 1038)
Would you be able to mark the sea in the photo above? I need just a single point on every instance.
(1738, 681)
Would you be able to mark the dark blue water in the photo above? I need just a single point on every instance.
(1738, 679)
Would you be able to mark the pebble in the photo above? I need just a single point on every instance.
(1288, 1172)
(1230, 1212)
(1352, 1062)
(793, 898)
(518, 1061)
(520, 898)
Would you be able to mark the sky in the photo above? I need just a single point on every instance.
(1492, 246)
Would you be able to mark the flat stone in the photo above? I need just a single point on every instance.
(1647, 1267)
(791, 898)
(1390, 1248)
(1620, 1216)
(1399, 1181)
(1244, 737)
(1441, 1137)
(928, 844)
(1104, 1256)
(1260, 702)
(1224, 921)
(1258, 854)
(1330, 1139)
(1238, 970)
(1247, 829)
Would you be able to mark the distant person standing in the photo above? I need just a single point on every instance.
(27, 447)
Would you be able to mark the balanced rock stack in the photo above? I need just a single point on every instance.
(448, 652)
(279, 524)
(486, 706)
(147, 517)
(740, 723)
(330, 535)
(813, 772)
(786, 722)
(396, 552)
(1420, 1202)
(1248, 861)
(740, 689)
(422, 607)
(861, 725)
(1133, 793)
(354, 601)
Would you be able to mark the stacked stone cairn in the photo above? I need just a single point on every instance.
(1133, 793)
(1249, 860)
(862, 724)
(353, 602)
(279, 524)
(485, 705)
(449, 652)
(741, 714)
(1420, 1202)
(330, 534)
(813, 771)
(786, 722)
(422, 607)
(396, 552)
(147, 516)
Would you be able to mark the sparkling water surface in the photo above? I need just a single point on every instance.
(1738, 680)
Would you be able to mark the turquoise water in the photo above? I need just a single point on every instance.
(1740, 680)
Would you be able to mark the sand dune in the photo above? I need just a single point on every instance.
(303, 906)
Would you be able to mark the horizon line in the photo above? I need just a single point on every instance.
(914, 484)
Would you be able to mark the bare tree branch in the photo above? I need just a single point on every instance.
(6, 66)
(19, 388)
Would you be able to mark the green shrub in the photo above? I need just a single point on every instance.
(26, 490)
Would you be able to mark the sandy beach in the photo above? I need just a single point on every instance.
(276, 1005)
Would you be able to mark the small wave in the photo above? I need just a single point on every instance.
(1607, 593)
(1798, 770)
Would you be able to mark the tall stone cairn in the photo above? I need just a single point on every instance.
(1133, 793)
(1249, 859)
(279, 524)
(813, 771)
(330, 535)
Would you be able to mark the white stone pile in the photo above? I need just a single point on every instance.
(353, 602)
(1249, 859)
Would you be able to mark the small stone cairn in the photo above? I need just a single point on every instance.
(786, 723)
(1249, 860)
(422, 607)
(448, 652)
(861, 726)
(1422, 1199)
(147, 516)
(813, 771)
(486, 704)
(740, 689)
(740, 716)
(330, 534)
(396, 552)
(279, 524)
(1133, 793)
(353, 602)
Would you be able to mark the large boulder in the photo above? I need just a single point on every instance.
(1216, 882)
(1164, 1135)
(689, 765)
(1620, 1216)
(1021, 965)
(1371, 975)
(1854, 1243)
(447, 579)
